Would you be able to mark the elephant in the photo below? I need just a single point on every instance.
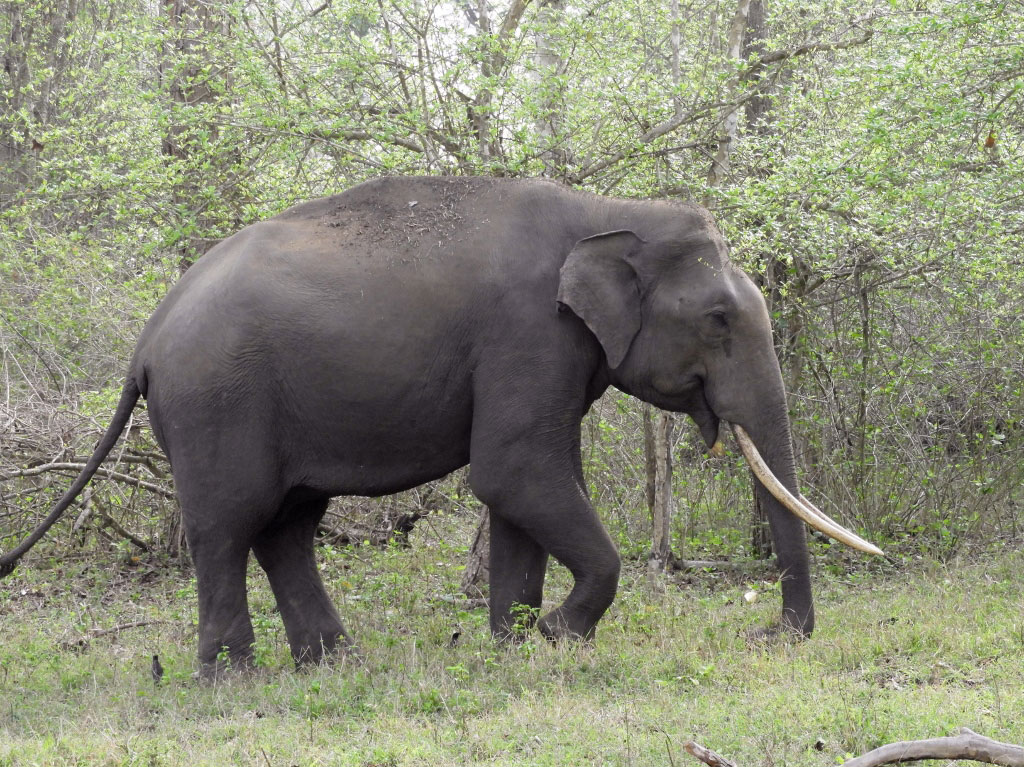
(371, 341)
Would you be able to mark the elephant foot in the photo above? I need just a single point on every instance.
(557, 628)
(234, 665)
(776, 633)
(328, 651)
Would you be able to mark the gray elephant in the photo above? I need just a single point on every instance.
(371, 341)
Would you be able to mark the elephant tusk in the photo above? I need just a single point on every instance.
(717, 449)
(801, 507)
(865, 546)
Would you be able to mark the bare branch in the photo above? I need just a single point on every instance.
(128, 535)
(803, 50)
(659, 130)
(108, 473)
(359, 135)
(656, 132)
(311, 15)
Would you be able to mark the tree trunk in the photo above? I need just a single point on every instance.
(730, 120)
(756, 108)
(756, 116)
(549, 65)
(742, 42)
(658, 436)
(658, 449)
(760, 532)
(190, 83)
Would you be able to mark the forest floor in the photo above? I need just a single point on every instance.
(899, 653)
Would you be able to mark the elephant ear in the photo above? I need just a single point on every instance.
(599, 285)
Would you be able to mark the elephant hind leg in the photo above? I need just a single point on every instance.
(225, 631)
(284, 550)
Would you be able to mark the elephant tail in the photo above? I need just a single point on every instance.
(129, 396)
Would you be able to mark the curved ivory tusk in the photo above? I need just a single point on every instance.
(801, 507)
(821, 515)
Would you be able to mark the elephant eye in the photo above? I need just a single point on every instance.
(718, 319)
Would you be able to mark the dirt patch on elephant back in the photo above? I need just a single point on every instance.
(400, 217)
(432, 212)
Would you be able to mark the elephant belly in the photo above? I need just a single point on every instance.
(364, 459)
(373, 431)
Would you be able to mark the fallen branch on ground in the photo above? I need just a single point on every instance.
(721, 564)
(463, 602)
(706, 755)
(725, 565)
(966, 744)
(107, 521)
(395, 531)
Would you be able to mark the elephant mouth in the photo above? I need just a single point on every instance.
(796, 504)
(707, 421)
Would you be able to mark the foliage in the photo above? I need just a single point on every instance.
(875, 188)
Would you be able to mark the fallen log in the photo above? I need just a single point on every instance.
(752, 566)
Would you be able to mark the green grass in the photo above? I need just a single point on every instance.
(898, 654)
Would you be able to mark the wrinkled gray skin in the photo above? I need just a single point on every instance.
(371, 341)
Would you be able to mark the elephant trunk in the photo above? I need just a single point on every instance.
(771, 434)
(768, 449)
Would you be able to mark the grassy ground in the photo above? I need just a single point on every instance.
(898, 654)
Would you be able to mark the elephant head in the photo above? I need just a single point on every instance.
(684, 329)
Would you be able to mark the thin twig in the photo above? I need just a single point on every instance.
(83, 640)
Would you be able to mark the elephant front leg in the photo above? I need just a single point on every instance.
(517, 567)
(542, 502)
(594, 564)
(525, 467)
